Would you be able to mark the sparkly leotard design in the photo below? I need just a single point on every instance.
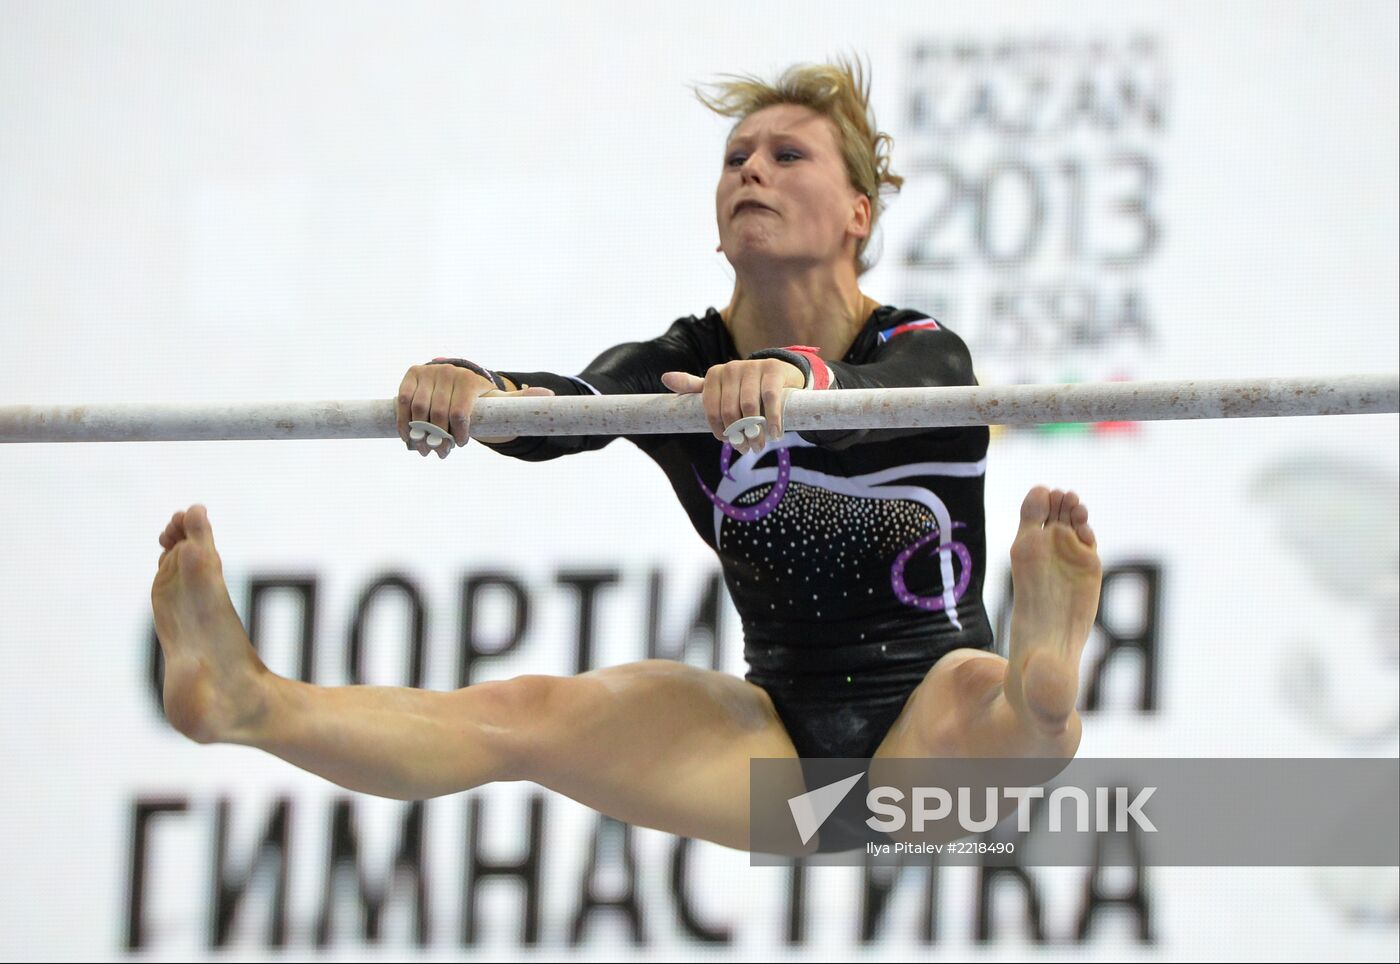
(824, 511)
(855, 558)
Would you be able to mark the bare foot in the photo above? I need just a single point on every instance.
(214, 680)
(1056, 576)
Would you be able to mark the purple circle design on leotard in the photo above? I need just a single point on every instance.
(759, 509)
(931, 603)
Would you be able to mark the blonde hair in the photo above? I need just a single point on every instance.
(838, 91)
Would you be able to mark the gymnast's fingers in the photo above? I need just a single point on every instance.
(448, 379)
(712, 396)
(731, 405)
(456, 390)
(403, 401)
(683, 383)
(421, 407)
(774, 401)
(751, 401)
(459, 412)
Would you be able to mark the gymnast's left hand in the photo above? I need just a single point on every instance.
(739, 389)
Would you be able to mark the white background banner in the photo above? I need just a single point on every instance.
(263, 202)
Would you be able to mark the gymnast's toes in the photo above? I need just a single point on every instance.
(190, 573)
(1035, 508)
(1067, 506)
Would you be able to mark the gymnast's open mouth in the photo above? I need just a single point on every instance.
(749, 204)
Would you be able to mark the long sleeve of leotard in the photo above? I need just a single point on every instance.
(632, 368)
(917, 354)
(914, 351)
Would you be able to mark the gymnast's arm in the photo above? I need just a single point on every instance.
(633, 368)
(925, 357)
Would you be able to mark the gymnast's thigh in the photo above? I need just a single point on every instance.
(658, 744)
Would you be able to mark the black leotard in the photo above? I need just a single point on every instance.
(855, 558)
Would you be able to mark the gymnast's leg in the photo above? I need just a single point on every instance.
(974, 704)
(657, 743)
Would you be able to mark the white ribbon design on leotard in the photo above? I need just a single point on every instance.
(743, 475)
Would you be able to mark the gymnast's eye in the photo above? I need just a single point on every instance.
(735, 159)
(788, 154)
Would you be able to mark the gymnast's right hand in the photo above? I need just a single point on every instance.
(444, 395)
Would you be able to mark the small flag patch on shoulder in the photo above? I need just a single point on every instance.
(923, 324)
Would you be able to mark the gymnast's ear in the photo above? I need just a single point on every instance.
(860, 224)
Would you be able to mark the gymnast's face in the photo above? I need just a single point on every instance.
(784, 196)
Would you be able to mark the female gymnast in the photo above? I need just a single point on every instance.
(855, 558)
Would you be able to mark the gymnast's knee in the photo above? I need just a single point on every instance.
(512, 716)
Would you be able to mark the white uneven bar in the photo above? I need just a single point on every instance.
(667, 414)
